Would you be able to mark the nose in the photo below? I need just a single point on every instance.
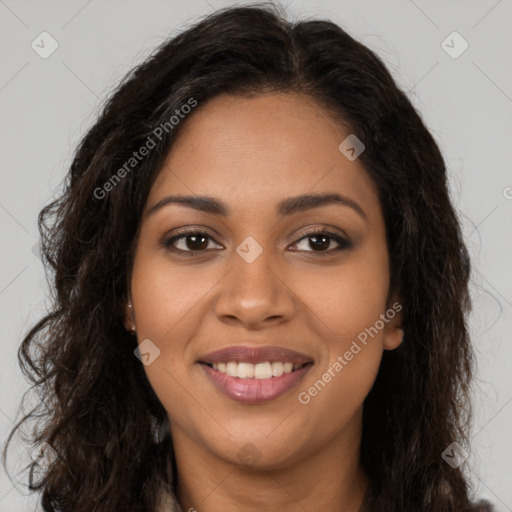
(255, 294)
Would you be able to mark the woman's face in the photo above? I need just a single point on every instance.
(258, 288)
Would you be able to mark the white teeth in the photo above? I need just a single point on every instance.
(277, 369)
(265, 370)
(232, 369)
(245, 370)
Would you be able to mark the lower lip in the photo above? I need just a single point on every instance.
(254, 391)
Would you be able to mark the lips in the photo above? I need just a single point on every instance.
(262, 385)
(254, 355)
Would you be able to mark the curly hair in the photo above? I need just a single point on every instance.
(97, 409)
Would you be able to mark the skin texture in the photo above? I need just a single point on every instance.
(251, 153)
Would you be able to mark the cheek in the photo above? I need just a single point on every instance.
(347, 304)
(167, 298)
(184, 406)
(345, 300)
(337, 394)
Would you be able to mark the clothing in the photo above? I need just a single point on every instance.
(168, 503)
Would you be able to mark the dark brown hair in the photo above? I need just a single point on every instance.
(97, 409)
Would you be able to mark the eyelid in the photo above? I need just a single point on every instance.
(324, 228)
(343, 240)
(168, 240)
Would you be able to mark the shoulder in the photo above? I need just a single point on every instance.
(480, 506)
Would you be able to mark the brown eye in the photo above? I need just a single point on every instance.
(189, 242)
(320, 241)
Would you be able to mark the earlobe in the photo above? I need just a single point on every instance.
(394, 332)
(393, 338)
(129, 318)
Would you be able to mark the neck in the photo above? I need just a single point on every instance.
(330, 478)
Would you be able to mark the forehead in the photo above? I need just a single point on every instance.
(270, 146)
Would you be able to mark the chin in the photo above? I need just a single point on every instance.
(260, 452)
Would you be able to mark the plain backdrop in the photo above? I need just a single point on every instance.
(465, 97)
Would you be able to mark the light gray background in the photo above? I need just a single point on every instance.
(48, 104)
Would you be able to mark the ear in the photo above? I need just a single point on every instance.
(129, 317)
(393, 333)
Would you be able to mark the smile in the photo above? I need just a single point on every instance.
(265, 370)
(255, 374)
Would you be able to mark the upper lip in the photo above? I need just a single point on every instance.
(254, 355)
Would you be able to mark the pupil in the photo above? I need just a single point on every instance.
(324, 244)
(195, 245)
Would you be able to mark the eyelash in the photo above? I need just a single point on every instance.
(342, 242)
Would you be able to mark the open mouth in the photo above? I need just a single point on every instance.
(262, 370)
(255, 383)
(255, 374)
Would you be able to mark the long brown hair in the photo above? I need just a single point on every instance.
(97, 409)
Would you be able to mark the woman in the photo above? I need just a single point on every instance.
(261, 288)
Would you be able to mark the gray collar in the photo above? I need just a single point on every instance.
(168, 503)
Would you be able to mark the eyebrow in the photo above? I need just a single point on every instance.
(286, 207)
